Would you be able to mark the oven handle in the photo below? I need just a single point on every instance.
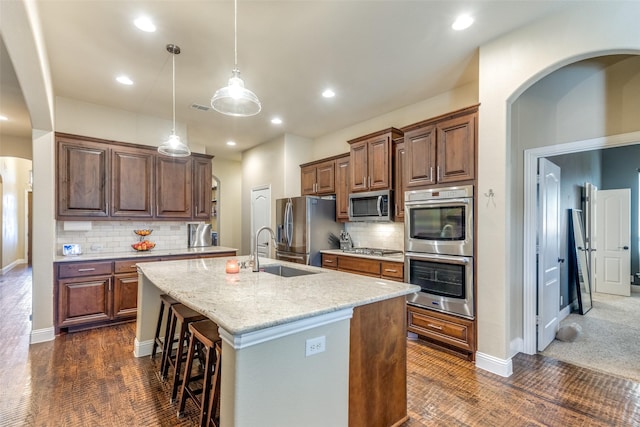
(379, 205)
(460, 260)
(427, 203)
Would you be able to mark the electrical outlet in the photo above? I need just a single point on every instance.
(315, 345)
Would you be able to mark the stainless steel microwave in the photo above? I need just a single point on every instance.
(371, 206)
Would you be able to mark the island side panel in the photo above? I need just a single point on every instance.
(378, 364)
(273, 383)
(147, 317)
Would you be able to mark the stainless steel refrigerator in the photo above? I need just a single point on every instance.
(303, 227)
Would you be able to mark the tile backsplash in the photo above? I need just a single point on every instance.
(118, 236)
(387, 235)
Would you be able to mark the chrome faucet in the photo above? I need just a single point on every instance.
(256, 263)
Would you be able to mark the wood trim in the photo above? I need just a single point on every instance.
(449, 115)
(326, 159)
(395, 132)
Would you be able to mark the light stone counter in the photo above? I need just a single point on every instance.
(248, 301)
(153, 253)
(268, 324)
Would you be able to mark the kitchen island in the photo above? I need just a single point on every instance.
(267, 323)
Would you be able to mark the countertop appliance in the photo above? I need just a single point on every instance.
(303, 227)
(371, 206)
(199, 235)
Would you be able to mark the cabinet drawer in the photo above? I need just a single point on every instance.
(330, 261)
(129, 266)
(441, 327)
(81, 269)
(392, 270)
(363, 266)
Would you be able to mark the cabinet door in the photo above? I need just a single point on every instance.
(456, 149)
(174, 187)
(82, 179)
(364, 266)
(83, 300)
(202, 188)
(399, 180)
(132, 182)
(308, 180)
(379, 163)
(125, 296)
(325, 177)
(358, 166)
(342, 189)
(420, 146)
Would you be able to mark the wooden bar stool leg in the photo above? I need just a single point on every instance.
(206, 387)
(168, 344)
(178, 361)
(187, 374)
(213, 411)
(158, 327)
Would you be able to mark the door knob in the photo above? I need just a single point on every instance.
(561, 260)
(626, 248)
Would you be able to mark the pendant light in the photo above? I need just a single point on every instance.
(235, 99)
(173, 146)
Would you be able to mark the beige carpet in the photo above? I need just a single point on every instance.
(610, 337)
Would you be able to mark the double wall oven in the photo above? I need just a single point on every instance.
(439, 249)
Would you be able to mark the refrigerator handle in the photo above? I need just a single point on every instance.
(289, 222)
(379, 205)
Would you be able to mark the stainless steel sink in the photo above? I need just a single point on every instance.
(283, 271)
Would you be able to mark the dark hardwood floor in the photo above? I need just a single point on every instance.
(91, 378)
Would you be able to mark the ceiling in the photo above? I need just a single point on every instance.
(378, 56)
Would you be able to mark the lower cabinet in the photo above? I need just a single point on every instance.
(390, 270)
(451, 333)
(97, 293)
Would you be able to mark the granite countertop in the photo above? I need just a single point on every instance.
(248, 301)
(392, 257)
(143, 254)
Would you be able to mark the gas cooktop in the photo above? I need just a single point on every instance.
(372, 251)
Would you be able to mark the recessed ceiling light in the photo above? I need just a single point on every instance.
(328, 93)
(231, 143)
(145, 24)
(276, 121)
(462, 22)
(124, 80)
(3, 118)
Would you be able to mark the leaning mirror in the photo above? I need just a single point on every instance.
(579, 269)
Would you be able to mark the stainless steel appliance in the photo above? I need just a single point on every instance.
(439, 249)
(199, 235)
(439, 221)
(303, 227)
(371, 206)
(446, 282)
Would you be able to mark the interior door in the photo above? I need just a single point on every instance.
(549, 252)
(261, 216)
(613, 227)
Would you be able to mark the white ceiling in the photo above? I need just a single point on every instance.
(377, 55)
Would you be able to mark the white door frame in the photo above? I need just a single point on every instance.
(531, 157)
(253, 230)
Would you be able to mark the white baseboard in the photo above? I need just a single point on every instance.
(516, 346)
(564, 312)
(497, 366)
(11, 266)
(144, 348)
(42, 335)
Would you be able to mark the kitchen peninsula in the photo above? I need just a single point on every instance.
(266, 320)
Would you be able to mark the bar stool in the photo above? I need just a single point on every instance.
(204, 334)
(183, 314)
(165, 304)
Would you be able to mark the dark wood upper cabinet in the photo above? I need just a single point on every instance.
(174, 187)
(342, 189)
(371, 161)
(202, 188)
(441, 150)
(82, 179)
(318, 178)
(132, 192)
(99, 179)
(399, 160)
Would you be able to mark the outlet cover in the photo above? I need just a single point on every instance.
(315, 345)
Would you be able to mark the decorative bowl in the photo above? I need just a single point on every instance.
(144, 245)
(143, 232)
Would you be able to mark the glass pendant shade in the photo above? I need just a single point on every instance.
(235, 99)
(174, 147)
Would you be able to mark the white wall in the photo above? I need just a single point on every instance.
(229, 172)
(15, 146)
(508, 66)
(15, 176)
